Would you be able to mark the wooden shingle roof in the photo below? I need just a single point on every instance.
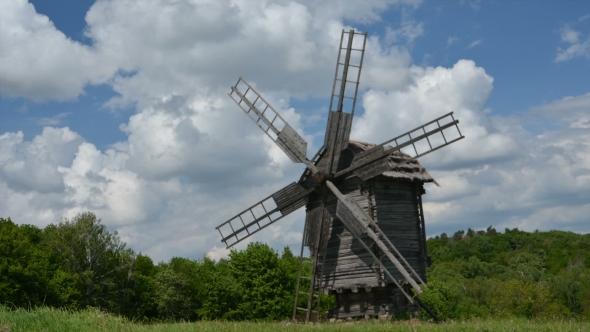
(411, 171)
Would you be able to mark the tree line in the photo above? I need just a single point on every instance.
(78, 263)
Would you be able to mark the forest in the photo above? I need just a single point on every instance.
(78, 264)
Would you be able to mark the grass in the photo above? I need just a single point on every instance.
(54, 320)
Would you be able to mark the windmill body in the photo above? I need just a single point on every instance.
(393, 200)
(364, 227)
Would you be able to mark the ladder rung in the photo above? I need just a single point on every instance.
(305, 293)
(349, 65)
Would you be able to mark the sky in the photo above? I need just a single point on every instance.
(121, 108)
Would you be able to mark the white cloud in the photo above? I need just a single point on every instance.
(474, 4)
(544, 185)
(577, 47)
(569, 36)
(451, 41)
(473, 44)
(39, 61)
(54, 120)
(570, 110)
(32, 165)
(409, 30)
(462, 89)
(573, 51)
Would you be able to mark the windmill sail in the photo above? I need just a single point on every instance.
(263, 214)
(416, 143)
(271, 122)
(344, 94)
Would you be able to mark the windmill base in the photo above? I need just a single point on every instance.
(384, 302)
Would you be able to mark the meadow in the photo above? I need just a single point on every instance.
(59, 320)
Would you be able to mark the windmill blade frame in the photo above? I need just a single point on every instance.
(263, 214)
(370, 163)
(294, 146)
(340, 119)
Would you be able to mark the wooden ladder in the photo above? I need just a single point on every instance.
(317, 261)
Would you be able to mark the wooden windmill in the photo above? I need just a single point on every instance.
(360, 198)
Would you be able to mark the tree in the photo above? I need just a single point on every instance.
(441, 298)
(23, 265)
(472, 268)
(458, 236)
(140, 302)
(173, 295)
(266, 284)
(220, 293)
(572, 286)
(526, 299)
(528, 266)
(93, 263)
(491, 231)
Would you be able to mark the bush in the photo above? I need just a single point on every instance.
(526, 299)
(441, 298)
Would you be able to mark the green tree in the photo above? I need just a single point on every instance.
(572, 287)
(528, 266)
(267, 285)
(140, 302)
(472, 268)
(458, 236)
(94, 265)
(442, 298)
(220, 293)
(23, 265)
(173, 296)
(491, 231)
(526, 299)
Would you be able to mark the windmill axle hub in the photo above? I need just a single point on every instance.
(322, 177)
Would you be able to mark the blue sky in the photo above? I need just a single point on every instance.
(123, 82)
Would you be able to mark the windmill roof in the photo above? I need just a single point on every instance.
(411, 171)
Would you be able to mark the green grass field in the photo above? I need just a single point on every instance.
(50, 320)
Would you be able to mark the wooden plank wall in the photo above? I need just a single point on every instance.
(350, 271)
(381, 301)
(393, 206)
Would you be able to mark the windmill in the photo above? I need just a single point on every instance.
(360, 198)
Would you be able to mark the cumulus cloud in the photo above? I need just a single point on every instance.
(39, 61)
(571, 111)
(549, 174)
(32, 165)
(462, 89)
